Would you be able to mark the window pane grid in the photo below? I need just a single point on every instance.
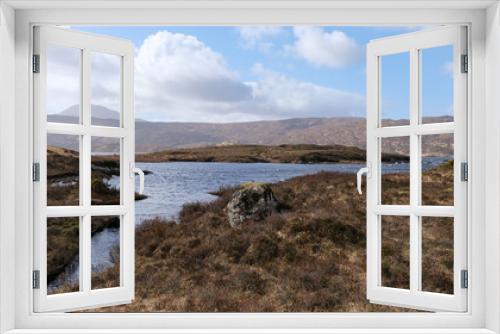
(424, 118)
(70, 115)
(85, 131)
(416, 254)
(415, 210)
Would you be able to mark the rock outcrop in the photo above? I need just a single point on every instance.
(252, 202)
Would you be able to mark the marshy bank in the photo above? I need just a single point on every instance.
(63, 188)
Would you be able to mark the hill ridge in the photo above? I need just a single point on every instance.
(347, 131)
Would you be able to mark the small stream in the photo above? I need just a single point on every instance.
(172, 184)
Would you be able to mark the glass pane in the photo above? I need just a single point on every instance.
(437, 84)
(63, 84)
(437, 254)
(106, 171)
(395, 184)
(63, 170)
(105, 252)
(396, 251)
(437, 169)
(63, 248)
(106, 89)
(395, 89)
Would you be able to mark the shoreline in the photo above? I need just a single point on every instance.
(298, 154)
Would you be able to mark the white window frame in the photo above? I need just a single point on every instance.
(87, 44)
(413, 44)
(483, 315)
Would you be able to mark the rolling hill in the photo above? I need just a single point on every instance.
(158, 136)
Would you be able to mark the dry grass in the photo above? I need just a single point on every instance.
(309, 257)
(62, 244)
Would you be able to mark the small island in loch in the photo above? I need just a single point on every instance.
(303, 153)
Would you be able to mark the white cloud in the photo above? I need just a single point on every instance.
(331, 49)
(259, 37)
(285, 97)
(181, 66)
(63, 78)
(179, 78)
(177, 75)
(105, 80)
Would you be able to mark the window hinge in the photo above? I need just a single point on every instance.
(36, 63)
(465, 63)
(36, 279)
(36, 172)
(464, 279)
(464, 171)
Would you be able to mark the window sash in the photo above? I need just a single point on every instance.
(86, 297)
(415, 297)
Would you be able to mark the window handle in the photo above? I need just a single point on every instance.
(364, 170)
(134, 170)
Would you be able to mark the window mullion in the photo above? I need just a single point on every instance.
(86, 233)
(415, 230)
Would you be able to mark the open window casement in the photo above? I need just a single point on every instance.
(401, 66)
(93, 68)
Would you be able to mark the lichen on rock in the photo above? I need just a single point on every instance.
(254, 201)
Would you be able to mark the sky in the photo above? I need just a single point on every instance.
(233, 74)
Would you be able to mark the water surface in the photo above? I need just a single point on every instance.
(173, 184)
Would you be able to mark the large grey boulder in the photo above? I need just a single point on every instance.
(253, 201)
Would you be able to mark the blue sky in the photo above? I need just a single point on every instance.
(226, 74)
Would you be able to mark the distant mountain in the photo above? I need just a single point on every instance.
(349, 131)
(319, 131)
(98, 112)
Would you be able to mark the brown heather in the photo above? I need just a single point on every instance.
(309, 257)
